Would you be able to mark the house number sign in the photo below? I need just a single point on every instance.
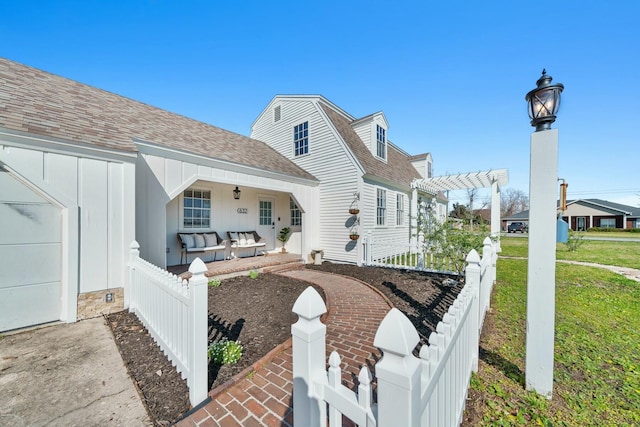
(242, 210)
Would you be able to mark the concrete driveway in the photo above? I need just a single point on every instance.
(66, 375)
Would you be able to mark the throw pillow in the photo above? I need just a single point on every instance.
(250, 239)
(210, 239)
(188, 240)
(242, 238)
(199, 241)
(233, 236)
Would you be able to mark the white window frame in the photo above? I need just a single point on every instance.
(381, 207)
(381, 142)
(296, 213)
(608, 220)
(202, 208)
(399, 209)
(300, 139)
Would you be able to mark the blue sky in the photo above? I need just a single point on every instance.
(450, 76)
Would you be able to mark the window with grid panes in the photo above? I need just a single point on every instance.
(301, 139)
(381, 142)
(399, 209)
(197, 209)
(381, 206)
(296, 215)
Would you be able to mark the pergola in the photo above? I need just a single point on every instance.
(494, 178)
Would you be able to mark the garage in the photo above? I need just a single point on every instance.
(30, 255)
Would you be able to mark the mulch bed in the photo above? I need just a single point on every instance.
(257, 312)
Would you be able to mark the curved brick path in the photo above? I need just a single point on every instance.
(264, 397)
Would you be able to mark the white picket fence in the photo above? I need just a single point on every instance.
(425, 391)
(396, 253)
(174, 311)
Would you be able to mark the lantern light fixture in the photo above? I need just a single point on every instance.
(544, 102)
(236, 193)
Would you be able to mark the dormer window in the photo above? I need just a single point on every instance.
(381, 142)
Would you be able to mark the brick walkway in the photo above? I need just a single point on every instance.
(263, 398)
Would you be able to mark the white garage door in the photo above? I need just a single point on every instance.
(30, 256)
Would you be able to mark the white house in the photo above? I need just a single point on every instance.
(357, 166)
(84, 172)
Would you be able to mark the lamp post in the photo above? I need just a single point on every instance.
(543, 103)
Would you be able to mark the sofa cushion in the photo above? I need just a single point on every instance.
(242, 239)
(250, 239)
(188, 240)
(210, 239)
(199, 238)
(233, 236)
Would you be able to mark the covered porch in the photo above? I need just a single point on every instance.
(183, 193)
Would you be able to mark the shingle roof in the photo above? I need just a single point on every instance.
(629, 210)
(44, 104)
(398, 168)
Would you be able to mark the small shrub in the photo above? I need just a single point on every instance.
(253, 274)
(574, 241)
(225, 352)
(214, 283)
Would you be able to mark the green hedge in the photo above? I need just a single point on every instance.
(606, 229)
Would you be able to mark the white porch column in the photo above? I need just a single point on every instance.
(541, 274)
(495, 215)
(413, 232)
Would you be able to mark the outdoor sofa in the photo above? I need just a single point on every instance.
(245, 240)
(201, 243)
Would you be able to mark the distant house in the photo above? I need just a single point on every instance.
(357, 166)
(582, 214)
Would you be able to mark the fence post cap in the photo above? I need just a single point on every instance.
(487, 241)
(396, 334)
(134, 245)
(197, 267)
(309, 304)
(473, 256)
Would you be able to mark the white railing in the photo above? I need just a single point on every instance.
(425, 391)
(174, 312)
(395, 253)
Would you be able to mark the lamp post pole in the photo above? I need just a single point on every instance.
(541, 274)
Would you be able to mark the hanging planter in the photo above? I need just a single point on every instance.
(354, 211)
(354, 236)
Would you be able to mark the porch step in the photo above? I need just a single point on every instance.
(296, 265)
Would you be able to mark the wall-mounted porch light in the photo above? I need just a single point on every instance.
(236, 193)
(544, 102)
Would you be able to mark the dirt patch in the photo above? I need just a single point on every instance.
(257, 312)
(423, 297)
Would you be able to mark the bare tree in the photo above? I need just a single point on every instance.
(513, 201)
(472, 194)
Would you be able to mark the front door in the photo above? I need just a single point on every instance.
(581, 223)
(266, 223)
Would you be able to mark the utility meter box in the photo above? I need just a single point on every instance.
(562, 231)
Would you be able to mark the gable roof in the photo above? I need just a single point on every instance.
(398, 168)
(40, 103)
(631, 211)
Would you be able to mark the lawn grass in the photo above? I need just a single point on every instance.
(597, 351)
(623, 254)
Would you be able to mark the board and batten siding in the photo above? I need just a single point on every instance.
(94, 188)
(327, 160)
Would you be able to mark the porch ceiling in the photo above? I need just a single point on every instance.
(481, 179)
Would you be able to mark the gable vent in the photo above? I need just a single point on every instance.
(276, 113)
